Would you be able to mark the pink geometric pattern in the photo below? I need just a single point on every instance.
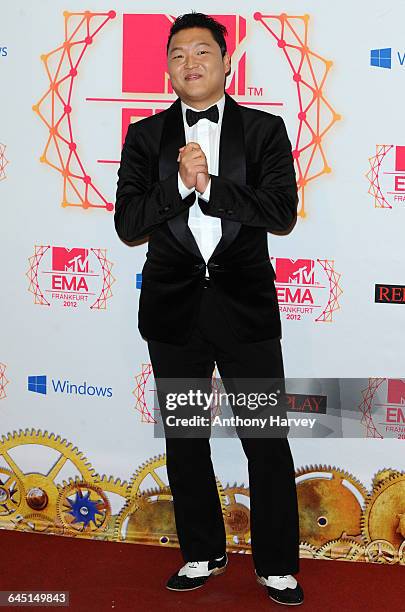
(3, 381)
(3, 161)
(316, 115)
(373, 176)
(139, 392)
(108, 280)
(366, 406)
(335, 291)
(32, 275)
(55, 109)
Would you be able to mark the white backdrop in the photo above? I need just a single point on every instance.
(102, 345)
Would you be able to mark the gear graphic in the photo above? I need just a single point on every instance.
(148, 469)
(341, 549)
(382, 475)
(41, 489)
(12, 494)
(384, 515)
(148, 518)
(114, 487)
(83, 509)
(401, 554)
(237, 518)
(381, 551)
(131, 524)
(38, 523)
(307, 551)
(329, 503)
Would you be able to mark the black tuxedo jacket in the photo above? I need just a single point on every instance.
(255, 192)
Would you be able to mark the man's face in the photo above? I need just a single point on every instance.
(196, 67)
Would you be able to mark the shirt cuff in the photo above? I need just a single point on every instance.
(183, 190)
(206, 195)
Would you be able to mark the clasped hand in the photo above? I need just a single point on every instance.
(193, 167)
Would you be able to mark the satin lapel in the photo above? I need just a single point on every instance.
(172, 139)
(232, 164)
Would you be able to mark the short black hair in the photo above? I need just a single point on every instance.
(199, 20)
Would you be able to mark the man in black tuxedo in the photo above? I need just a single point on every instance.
(206, 180)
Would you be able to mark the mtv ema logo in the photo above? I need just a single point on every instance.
(387, 176)
(383, 408)
(307, 289)
(39, 384)
(71, 278)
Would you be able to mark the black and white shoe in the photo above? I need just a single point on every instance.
(194, 574)
(282, 589)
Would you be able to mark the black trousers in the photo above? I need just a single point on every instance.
(273, 498)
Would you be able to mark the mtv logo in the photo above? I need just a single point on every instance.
(380, 58)
(144, 65)
(395, 391)
(37, 384)
(70, 260)
(295, 271)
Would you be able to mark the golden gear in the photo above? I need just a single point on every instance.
(381, 551)
(342, 549)
(148, 471)
(41, 490)
(148, 518)
(39, 523)
(328, 506)
(237, 518)
(401, 553)
(12, 494)
(382, 475)
(307, 551)
(108, 484)
(383, 518)
(83, 509)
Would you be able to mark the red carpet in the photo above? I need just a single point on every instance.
(105, 576)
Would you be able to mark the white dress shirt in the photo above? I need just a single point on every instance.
(207, 230)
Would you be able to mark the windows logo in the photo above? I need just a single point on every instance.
(381, 58)
(37, 384)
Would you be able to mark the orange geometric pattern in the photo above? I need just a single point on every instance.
(3, 381)
(335, 291)
(3, 161)
(316, 116)
(106, 266)
(55, 109)
(373, 176)
(366, 406)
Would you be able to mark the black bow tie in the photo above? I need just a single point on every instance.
(211, 113)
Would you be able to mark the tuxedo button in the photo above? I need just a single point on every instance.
(229, 212)
(166, 208)
(214, 266)
(221, 209)
(199, 266)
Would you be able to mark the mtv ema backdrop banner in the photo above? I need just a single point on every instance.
(78, 455)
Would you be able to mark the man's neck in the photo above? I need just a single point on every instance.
(204, 104)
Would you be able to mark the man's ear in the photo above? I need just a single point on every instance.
(227, 63)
